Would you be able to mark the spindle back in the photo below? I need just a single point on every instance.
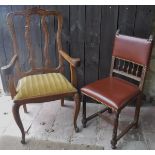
(131, 57)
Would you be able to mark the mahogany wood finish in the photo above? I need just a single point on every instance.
(14, 63)
(124, 67)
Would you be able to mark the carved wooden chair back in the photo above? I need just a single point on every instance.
(130, 58)
(43, 14)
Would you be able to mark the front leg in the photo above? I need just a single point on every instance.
(76, 111)
(15, 111)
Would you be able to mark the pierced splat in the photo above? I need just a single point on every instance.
(46, 45)
(43, 14)
(29, 42)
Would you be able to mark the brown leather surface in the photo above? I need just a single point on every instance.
(111, 91)
(132, 48)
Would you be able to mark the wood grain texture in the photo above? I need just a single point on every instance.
(92, 42)
(126, 20)
(108, 29)
(77, 30)
(144, 19)
(88, 33)
(6, 44)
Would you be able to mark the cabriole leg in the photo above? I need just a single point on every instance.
(76, 111)
(15, 111)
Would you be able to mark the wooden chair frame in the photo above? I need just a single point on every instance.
(14, 63)
(129, 75)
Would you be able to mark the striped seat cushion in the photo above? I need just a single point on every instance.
(43, 85)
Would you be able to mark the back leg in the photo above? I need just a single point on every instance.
(62, 102)
(25, 108)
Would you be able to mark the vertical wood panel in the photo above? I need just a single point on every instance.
(126, 20)
(77, 29)
(64, 10)
(7, 44)
(92, 41)
(108, 29)
(144, 20)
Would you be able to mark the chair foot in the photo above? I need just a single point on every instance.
(77, 129)
(23, 142)
(84, 123)
(113, 144)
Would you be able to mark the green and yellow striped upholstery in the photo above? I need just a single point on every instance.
(43, 85)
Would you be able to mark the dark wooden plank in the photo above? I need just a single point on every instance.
(64, 10)
(92, 41)
(7, 44)
(126, 19)
(6, 35)
(144, 21)
(2, 53)
(77, 29)
(108, 29)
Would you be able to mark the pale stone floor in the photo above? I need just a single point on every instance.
(49, 122)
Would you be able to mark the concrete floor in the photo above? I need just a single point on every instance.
(50, 126)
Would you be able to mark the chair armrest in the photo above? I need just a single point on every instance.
(7, 70)
(75, 62)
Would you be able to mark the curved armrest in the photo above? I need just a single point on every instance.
(7, 70)
(75, 62)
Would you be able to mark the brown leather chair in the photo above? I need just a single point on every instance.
(130, 60)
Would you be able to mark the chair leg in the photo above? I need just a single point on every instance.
(84, 121)
(137, 110)
(114, 136)
(25, 108)
(15, 110)
(62, 102)
(76, 111)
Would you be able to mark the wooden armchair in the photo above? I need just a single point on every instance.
(40, 84)
(130, 61)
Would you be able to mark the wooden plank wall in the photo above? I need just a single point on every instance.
(88, 33)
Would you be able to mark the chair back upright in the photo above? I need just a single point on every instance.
(130, 58)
